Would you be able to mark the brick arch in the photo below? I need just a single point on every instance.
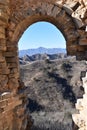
(49, 13)
(69, 16)
(22, 18)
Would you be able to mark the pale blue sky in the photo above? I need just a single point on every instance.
(42, 34)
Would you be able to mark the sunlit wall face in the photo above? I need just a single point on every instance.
(42, 34)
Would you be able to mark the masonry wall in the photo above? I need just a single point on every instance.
(15, 16)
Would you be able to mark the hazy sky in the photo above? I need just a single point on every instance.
(42, 34)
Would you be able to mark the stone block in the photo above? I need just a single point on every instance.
(4, 17)
(4, 71)
(81, 56)
(78, 22)
(10, 34)
(55, 11)
(14, 70)
(2, 42)
(83, 42)
(16, 75)
(72, 49)
(11, 59)
(10, 54)
(5, 2)
(81, 48)
(67, 9)
(3, 48)
(12, 48)
(2, 36)
(44, 7)
(3, 103)
(2, 30)
(12, 26)
(2, 65)
(12, 65)
(4, 82)
(49, 9)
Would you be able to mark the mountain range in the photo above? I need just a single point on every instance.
(41, 50)
(38, 57)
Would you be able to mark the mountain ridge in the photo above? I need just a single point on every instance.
(41, 50)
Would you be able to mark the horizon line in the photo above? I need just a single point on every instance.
(44, 47)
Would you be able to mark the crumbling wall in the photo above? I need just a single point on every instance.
(70, 16)
(80, 119)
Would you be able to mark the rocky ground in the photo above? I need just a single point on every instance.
(53, 88)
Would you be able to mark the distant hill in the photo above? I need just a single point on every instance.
(41, 50)
(27, 59)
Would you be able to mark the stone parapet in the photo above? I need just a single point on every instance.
(80, 119)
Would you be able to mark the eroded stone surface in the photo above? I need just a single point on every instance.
(81, 105)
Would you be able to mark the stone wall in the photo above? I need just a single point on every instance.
(70, 16)
(80, 119)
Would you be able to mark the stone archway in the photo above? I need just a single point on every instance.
(22, 19)
(15, 17)
(49, 13)
(18, 23)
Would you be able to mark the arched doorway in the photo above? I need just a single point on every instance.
(15, 17)
(20, 20)
(42, 34)
(44, 83)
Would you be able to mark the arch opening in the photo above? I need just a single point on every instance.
(42, 34)
(42, 77)
(68, 32)
(15, 17)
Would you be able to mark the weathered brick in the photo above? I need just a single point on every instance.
(4, 71)
(67, 9)
(3, 103)
(11, 60)
(12, 65)
(10, 54)
(2, 23)
(2, 36)
(5, 2)
(2, 30)
(55, 11)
